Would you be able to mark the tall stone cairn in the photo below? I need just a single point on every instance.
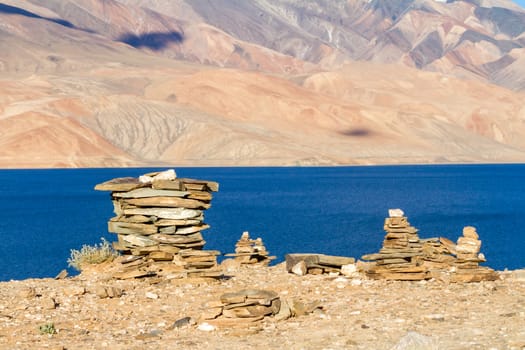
(160, 218)
(400, 256)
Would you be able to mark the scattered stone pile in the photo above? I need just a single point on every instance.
(242, 308)
(251, 251)
(159, 218)
(316, 264)
(404, 256)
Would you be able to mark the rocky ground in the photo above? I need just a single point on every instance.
(354, 313)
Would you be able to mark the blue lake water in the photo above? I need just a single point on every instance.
(332, 210)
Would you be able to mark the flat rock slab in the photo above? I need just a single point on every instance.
(174, 222)
(164, 213)
(131, 228)
(122, 184)
(168, 185)
(191, 252)
(167, 202)
(177, 239)
(133, 274)
(211, 185)
(242, 295)
(146, 192)
(139, 241)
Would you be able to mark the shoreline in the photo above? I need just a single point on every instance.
(169, 166)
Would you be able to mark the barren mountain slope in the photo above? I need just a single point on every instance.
(74, 95)
(474, 39)
(182, 36)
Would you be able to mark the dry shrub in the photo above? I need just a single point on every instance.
(91, 255)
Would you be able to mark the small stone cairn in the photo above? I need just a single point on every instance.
(242, 309)
(468, 257)
(159, 220)
(404, 256)
(251, 251)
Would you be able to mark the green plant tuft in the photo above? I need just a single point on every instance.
(90, 255)
(48, 328)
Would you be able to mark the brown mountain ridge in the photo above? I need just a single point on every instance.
(130, 82)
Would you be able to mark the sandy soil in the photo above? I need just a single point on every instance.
(356, 313)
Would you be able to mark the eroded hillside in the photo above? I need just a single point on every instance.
(75, 93)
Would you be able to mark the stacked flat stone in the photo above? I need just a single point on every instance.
(159, 217)
(400, 256)
(242, 308)
(438, 255)
(251, 251)
(468, 257)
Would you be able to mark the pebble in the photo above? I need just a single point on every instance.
(63, 274)
(48, 303)
(206, 327)
(28, 293)
(151, 295)
(74, 291)
(356, 283)
(435, 317)
(185, 321)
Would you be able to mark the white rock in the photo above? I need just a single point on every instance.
(341, 282)
(206, 327)
(356, 282)
(151, 295)
(145, 179)
(299, 268)
(349, 270)
(166, 175)
(396, 213)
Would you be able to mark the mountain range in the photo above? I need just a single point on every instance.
(90, 83)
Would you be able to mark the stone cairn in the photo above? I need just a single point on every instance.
(404, 256)
(159, 220)
(251, 251)
(468, 257)
(399, 258)
(242, 309)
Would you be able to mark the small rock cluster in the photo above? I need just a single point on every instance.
(159, 220)
(404, 256)
(251, 251)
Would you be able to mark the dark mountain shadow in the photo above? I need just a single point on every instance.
(155, 40)
(12, 10)
(356, 132)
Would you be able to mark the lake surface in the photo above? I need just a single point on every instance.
(331, 210)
